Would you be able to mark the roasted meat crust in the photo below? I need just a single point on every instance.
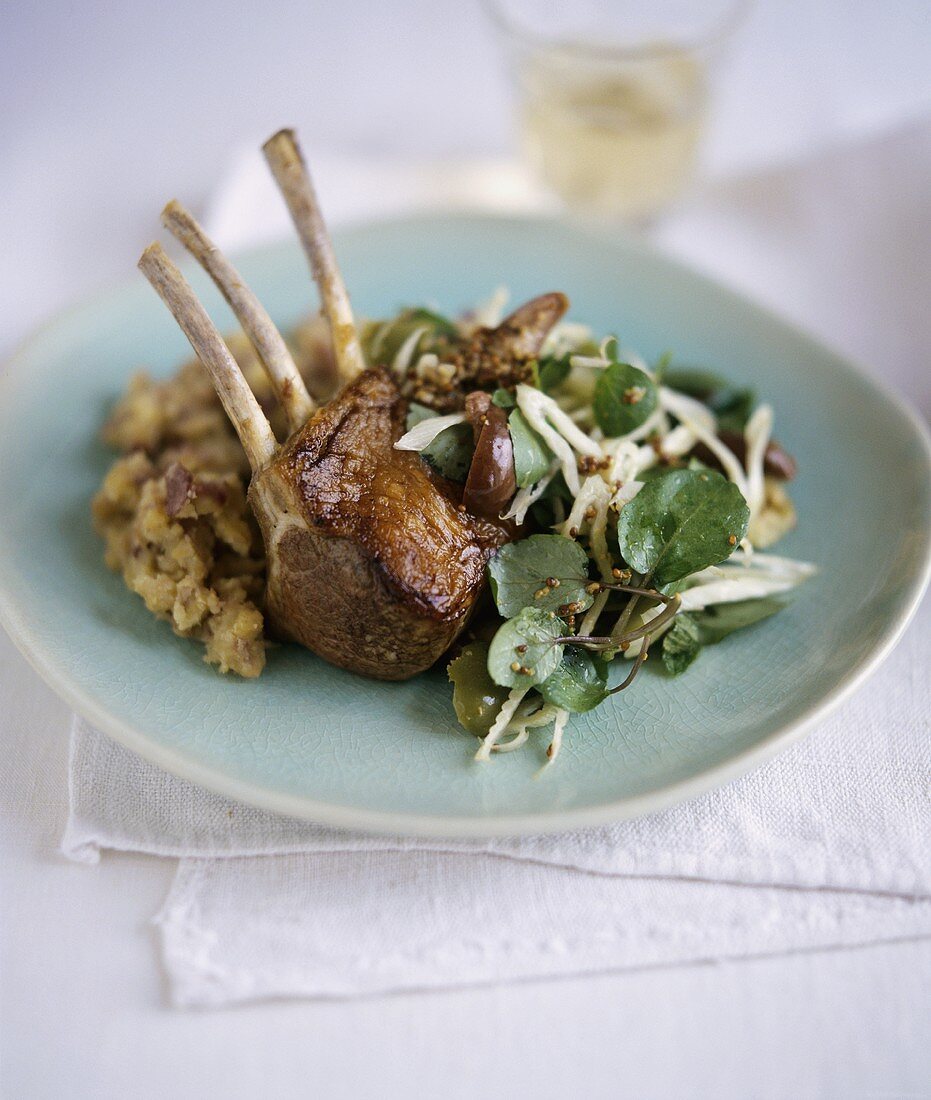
(396, 566)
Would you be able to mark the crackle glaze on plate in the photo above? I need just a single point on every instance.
(309, 740)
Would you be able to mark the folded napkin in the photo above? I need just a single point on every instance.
(827, 845)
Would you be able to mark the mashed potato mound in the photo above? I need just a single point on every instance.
(172, 508)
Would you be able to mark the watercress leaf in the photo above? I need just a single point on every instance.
(520, 570)
(450, 454)
(437, 323)
(553, 371)
(681, 644)
(578, 683)
(693, 630)
(532, 457)
(381, 342)
(558, 490)
(525, 649)
(476, 697)
(680, 522)
(732, 408)
(695, 381)
(651, 473)
(504, 399)
(661, 367)
(625, 397)
(719, 620)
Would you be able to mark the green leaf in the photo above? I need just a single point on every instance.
(691, 631)
(716, 622)
(578, 683)
(553, 371)
(681, 644)
(435, 321)
(520, 570)
(381, 342)
(624, 398)
(476, 697)
(733, 409)
(526, 642)
(532, 457)
(450, 454)
(662, 366)
(731, 406)
(651, 473)
(504, 399)
(694, 381)
(680, 522)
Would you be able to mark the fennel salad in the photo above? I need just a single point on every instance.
(644, 499)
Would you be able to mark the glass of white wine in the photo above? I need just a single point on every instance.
(613, 95)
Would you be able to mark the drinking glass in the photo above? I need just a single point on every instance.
(613, 95)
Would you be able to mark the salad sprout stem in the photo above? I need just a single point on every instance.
(625, 615)
(638, 664)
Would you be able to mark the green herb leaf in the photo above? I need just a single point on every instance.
(504, 399)
(661, 368)
(578, 683)
(730, 405)
(476, 697)
(525, 650)
(532, 457)
(716, 622)
(450, 454)
(382, 341)
(520, 570)
(435, 321)
(624, 398)
(732, 408)
(681, 644)
(693, 630)
(694, 381)
(553, 371)
(680, 523)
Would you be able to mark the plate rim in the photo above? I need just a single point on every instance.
(433, 826)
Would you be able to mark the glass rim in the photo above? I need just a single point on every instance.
(719, 31)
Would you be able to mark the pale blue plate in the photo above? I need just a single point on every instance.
(308, 740)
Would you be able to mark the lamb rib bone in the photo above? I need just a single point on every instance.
(252, 427)
(287, 165)
(268, 342)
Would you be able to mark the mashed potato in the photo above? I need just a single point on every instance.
(172, 508)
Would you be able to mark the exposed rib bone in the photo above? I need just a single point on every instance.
(266, 339)
(244, 412)
(284, 158)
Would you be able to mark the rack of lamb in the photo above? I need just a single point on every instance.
(374, 561)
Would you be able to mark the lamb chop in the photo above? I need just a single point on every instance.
(373, 561)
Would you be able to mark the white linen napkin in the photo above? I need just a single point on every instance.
(828, 845)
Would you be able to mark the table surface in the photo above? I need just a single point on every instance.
(82, 1006)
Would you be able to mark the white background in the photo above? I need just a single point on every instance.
(105, 111)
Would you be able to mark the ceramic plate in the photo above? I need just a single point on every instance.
(309, 740)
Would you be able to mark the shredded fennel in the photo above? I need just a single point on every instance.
(424, 433)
